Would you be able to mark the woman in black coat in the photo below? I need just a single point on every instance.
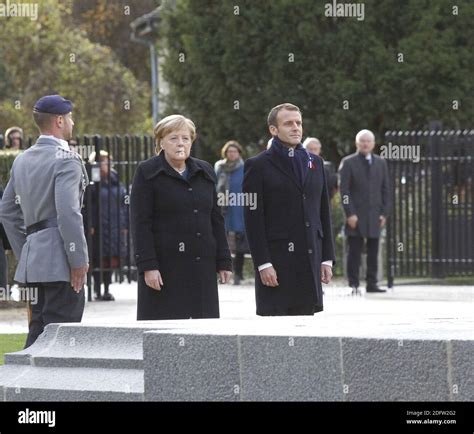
(178, 230)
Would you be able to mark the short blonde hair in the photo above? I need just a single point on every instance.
(169, 124)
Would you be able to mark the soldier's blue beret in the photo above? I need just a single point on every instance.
(54, 104)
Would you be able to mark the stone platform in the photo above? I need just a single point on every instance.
(346, 358)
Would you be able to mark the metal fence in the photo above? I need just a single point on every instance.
(430, 232)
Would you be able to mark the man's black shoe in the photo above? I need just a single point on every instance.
(375, 289)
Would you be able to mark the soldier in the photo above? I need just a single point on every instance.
(41, 214)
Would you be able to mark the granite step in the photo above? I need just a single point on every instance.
(65, 345)
(30, 383)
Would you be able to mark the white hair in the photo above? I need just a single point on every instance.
(309, 140)
(363, 133)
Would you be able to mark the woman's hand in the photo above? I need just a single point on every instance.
(153, 279)
(224, 276)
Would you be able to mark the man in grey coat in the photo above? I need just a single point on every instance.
(41, 214)
(364, 189)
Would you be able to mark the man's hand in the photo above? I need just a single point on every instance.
(382, 220)
(326, 273)
(153, 279)
(352, 221)
(268, 277)
(224, 276)
(78, 277)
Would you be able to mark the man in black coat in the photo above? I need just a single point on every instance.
(289, 227)
(365, 197)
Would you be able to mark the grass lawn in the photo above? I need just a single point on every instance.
(10, 343)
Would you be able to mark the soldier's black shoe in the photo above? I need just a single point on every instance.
(108, 297)
(375, 289)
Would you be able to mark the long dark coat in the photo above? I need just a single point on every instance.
(4, 243)
(291, 228)
(113, 217)
(178, 228)
(365, 192)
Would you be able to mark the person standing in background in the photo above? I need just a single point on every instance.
(364, 188)
(313, 145)
(109, 230)
(230, 175)
(14, 138)
(4, 245)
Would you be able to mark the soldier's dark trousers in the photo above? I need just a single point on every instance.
(353, 260)
(56, 302)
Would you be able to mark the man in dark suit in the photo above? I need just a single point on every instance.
(365, 197)
(289, 228)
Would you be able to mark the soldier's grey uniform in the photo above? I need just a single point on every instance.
(41, 214)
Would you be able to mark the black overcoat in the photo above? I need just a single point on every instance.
(290, 227)
(177, 228)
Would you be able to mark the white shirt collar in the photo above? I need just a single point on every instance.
(368, 157)
(62, 143)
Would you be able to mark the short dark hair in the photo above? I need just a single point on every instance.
(272, 116)
(43, 120)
